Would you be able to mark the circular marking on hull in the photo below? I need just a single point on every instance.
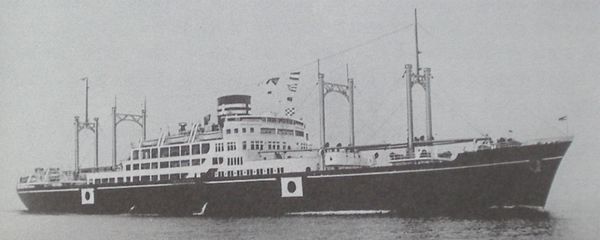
(291, 186)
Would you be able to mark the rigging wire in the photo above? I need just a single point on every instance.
(471, 82)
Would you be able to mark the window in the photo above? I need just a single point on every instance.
(174, 151)
(96, 181)
(120, 180)
(252, 145)
(243, 130)
(230, 173)
(231, 146)
(127, 167)
(185, 163)
(244, 145)
(154, 153)
(205, 148)
(135, 155)
(195, 162)
(251, 130)
(215, 161)
(164, 164)
(136, 179)
(285, 132)
(235, 130)
(269, 170)
(154, 165)
(164, 177)
(174, 164)
(145, 179)
(174, 176)
(220, 160)
(185, 150)
(228, 131)
(145, 165)
(154, 178)
(136, 166)
(249, 172)
(196, 149)
(145, 153)
(259, 171)
(219, 147)
(183, 175)
(240, 172)
(269, 145)
(203, 160)
(164, 152)
(127, 179)
(267, 130)
(299, 133)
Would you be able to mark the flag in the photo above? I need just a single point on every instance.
(563, 118)
(290, 111)
(289, 99)
(273, 80)
(295, 76)
(292, 87)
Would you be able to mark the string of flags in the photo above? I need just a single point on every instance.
(292, 88)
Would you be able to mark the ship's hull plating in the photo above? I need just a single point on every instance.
(478, 180)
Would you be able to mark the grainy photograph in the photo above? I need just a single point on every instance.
(299, 119)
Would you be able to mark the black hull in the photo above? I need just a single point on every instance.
(516, 176)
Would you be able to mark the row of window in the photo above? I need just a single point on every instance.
(235, 130)
(266, 119)
(137, 179)
(177, 176)
(235, 161)
(174, 151)
(184, 150)
(165, 164)
(271, 145)
(278, 131)
(249, 172)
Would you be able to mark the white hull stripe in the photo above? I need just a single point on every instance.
(244, 180)
(429, 170)
(144, 186)
(50, 190)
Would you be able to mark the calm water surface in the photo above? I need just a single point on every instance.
(18, 224)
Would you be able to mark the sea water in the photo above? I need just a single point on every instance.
(501, 224)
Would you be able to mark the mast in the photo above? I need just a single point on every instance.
(87, 89)
(424, 81)
(321, 112)
(351, 101)
(92, 126)
(417, 44)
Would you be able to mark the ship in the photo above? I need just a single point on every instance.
(264, 164)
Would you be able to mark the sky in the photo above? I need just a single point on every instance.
(497, 66)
